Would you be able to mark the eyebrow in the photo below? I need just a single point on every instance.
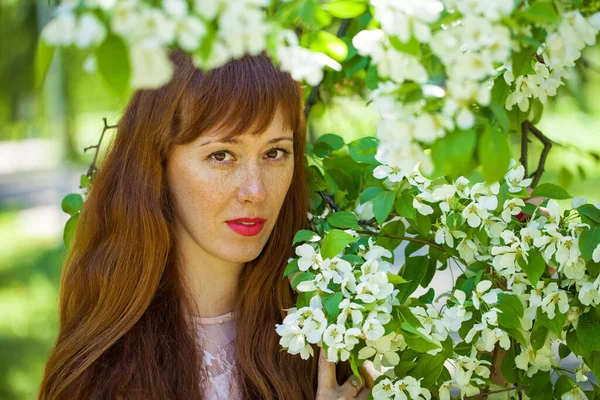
(235, 141)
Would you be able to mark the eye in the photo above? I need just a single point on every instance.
(220, 157)
(273, 154)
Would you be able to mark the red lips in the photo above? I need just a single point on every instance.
(246, 230)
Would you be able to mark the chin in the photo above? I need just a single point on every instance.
(243, 255)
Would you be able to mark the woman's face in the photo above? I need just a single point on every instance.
(213, 183)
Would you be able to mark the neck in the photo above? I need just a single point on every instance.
(212, 282)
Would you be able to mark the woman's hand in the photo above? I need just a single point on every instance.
(329, 389)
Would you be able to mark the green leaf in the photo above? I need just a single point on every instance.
(563, 350)
(69, 231)
(402, 368)
(383, 205)
(305, 235)
(370, 193)
(454, 221)
(72, 204)
(321, 150)
(371, 77)
(334, 141)
(313, 14)
(576, 346)
(453, 153)
(395, 279)
(538, 337)
(555, 324)
(84, 181)
(562, 385)
(535, 266)
(416, 341)
(551, 191)
(428, 368)
(521, 61)
(588, 330)
(428, 297)
(301, 277)
(291, 268)
(404, 206)
(332, 303)
(113, 63)
(315, 178)
(363, 150)
(588, 241)
(512, 310)
(494, 154)
(413, 271)
(590, 211)
(412, 47)
(538, 384)
(423, 224)
(328, 43)
(344, 220)
(335, 242)
(303, 299)
(541, 11)
(346, 8)
(508, 367)
(43, 58)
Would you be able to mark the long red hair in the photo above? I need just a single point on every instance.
(123, 332)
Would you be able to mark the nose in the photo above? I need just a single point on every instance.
(252, 188)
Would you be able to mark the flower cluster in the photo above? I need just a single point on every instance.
(525, 272)
(473, 43)
(214, 32)
(561, 49)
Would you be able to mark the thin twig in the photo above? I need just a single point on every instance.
(485, 395)
(92, 167)
(329, 200)
(492, 368)
(524, 143)
(407, 238)
(537, 175)
(314, 93)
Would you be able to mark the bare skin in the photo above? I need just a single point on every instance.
(212, 182)
(327, 381)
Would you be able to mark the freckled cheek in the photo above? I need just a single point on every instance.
(204, 194)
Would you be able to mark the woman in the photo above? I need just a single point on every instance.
(173, 284)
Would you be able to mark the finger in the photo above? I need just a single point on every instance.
(363, 394)
(369, 373)
(326, 372)
(350, 390)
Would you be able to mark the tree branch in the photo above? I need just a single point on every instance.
(407, 238)
(329, 200)
(537, 175)
(372, 223)
(524, 144)
(92, 167)
(485, 395)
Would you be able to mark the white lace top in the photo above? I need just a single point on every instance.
(217, 335)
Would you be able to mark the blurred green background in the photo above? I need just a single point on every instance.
(43, 132)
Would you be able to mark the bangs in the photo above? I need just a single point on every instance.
(239, 97)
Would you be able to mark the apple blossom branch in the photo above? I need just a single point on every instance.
(372, 223)
(526, 128)
(92, 167)
(485, 395)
